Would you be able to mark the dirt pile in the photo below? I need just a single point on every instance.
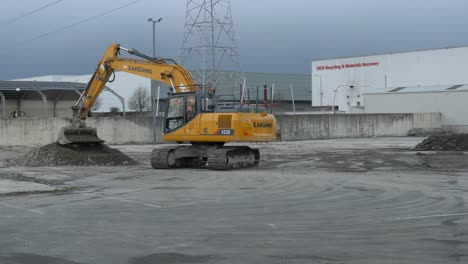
(73, 155)
(450, 142)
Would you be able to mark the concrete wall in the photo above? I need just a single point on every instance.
(304, 127)
(40, 131)
(28, 131)
(119, 130)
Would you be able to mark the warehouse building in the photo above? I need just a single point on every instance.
(287, 87)
(343, 82)
(450, 101)
(40, 99)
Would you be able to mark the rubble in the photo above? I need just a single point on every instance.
(444, 142)
(55, 154)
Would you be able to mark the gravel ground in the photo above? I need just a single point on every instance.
(55, 154)
(328, 201)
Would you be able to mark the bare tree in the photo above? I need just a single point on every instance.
(140, 100)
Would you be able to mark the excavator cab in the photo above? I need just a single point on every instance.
(181, 108)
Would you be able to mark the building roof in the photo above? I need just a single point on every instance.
(419, 89)
(35, 90)
(124, 84)
(387, 53)
(35, 85)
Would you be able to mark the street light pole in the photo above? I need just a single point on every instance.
(153, 92)
(154, 21)
(154, 39)
(339, 86)
(336, 91)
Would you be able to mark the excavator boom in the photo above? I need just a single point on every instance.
(164, 70)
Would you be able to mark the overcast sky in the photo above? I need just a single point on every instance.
(272, 35)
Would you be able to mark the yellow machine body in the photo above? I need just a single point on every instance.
(226, 127)
(191, 116)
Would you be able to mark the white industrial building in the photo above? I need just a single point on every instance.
(450, 101)
(426, 81)
(345, 80)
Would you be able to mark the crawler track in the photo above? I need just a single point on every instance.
(160, 157)
(228, 158)
(205, 156)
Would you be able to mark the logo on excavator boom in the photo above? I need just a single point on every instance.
(139, 69)
(262, 124)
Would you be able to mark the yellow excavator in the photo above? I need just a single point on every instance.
(192, 115)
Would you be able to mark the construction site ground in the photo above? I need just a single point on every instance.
(325, 201)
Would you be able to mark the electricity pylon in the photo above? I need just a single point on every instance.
(209, 48)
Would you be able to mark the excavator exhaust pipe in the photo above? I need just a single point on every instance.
(81, 135)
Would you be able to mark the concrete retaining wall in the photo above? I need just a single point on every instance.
(29, 131)
(304, 127)
(40, 131)
(119, 130)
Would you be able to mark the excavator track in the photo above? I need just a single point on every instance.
(171, 157)
(160, 158)
(205, 156)
(228, 158)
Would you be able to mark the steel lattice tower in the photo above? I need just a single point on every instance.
(209, 48)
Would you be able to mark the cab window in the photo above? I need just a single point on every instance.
(191, 106)
(175, 113)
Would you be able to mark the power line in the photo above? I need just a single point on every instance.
(11, 20)
(76, 23)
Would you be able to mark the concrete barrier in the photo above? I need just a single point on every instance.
(120, 130)
(41, 131)
(306, 126)
(29, 131)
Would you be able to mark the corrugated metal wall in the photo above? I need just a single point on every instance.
(452, 105)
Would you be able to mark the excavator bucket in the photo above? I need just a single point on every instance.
(82, 135)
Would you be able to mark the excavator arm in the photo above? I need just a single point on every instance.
(163, 70)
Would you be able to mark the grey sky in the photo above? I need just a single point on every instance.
(273, 36)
